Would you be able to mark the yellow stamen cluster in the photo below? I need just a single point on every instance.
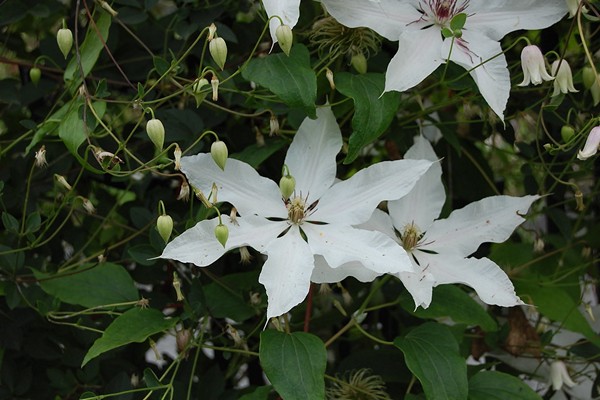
(410, 236)
(296, 209)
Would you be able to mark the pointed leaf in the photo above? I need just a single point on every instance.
(71, 129)
(373, 112)
(290, 78)
(294, 363)
(136, 325)
(431, 353)
(493, 385)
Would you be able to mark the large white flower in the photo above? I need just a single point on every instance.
(316, 222)
(417, 25)
(287, 10)
(440, 249)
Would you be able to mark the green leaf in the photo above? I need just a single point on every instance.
(224, 304)
(161, 65)
(91, 286)
(294, 363)
(33, 222)
(71, 129)
(90, 51)
(291, 78)
(451, 301)
(373, 111)
(134, 326)
(431, 353)
(10, 222)
(260, 393)
(458, 21)
(492, 385)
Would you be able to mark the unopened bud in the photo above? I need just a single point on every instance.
(198, 85)
(61, 179)
(579, 201)
(457, 33)
(156, 132)
(182, 338)
(177, 287)
(212, 29)
(40, 157)
(260, 139)
(214, 82)
(359, 62)
(108, 8)
(245, 256)
(35, 74)
(287, 185)
(218, 51)
(89, 206)
(177, 155)
(222, 234)
(567, 132)
(155, 349)
(235, 335)
(285, 37)
(219, 153)
(64, 38)
(329, 76)
(273, 126)
(588, 76)
(164, 226)
(184, 192)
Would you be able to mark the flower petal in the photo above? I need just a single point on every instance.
(389, 18)
(351, 202)
(419, 285)
(341, 245)
(239, 185)
(198, 245)
(425, 201)
(492, 219)
(497, 18)
(380, 222)
(419, 54)
(286, 273)
(311, 156)
(492, 77)
(323, 273)
(287, 10)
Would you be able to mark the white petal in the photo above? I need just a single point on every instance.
(287, 10)
(389, 18)
(341, 245)
(239, 185)
(497, 18)
(492, 77)
(419, 54)
(323, 273)
(351, 202)
(380, 222)
(311, 156)
(198, 245)
(492, 219)
(489, 281)
(286, 273)
(419, 285)
(425, 201)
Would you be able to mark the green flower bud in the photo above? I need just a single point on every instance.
(222, 234)
(287, 185)
(164, 226)
(198, 85)
(219, 153)
(457, 33)
(359, 62)
(35, 74)
(285, 38)
(156, 132)
(567, 132)
(589, 77)
(64, 38)
(218, 51)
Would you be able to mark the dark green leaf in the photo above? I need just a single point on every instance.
(492, 385)
(161, 65)
(134, 326)
(151, 379)
(91, 286)
(458, 21)
(260, 393)
(224, 304)
(373, 111)
(143, 254)
(10, 222)
(290, 78)
(431, 353)
(294, 363)
(33, 222)
(71, 129)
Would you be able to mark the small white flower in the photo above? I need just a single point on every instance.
(40, 158)
(563, 82)
(534, 66)
(560, 376)
(591, 144)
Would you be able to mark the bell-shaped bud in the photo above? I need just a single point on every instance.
(156, 132)
(588, 76)
(35, 74)
(64, 38)
(273, 125)
(359, 62)
(222, 234)
(182, 339)
(198, 85)
(329, 76)
(214, 82)
(219, 153)
(534, 66)
(591, 145)
(177, 156)
(287, 185)
(285, 37)
(567, 132)
(164, 226)
(563, 82)
(218, 51)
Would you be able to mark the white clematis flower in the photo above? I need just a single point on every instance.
(417, 25)
(440, 248)
(559, 375)
(317, 221)
(564, 78)
(592, 143)
(287, 10)
(534, 66)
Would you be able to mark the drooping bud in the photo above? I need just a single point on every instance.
(88, 206)
(156, 132)
(329, 76)
(64, 38)
(108, 8)
(579, 201)
(214, 82)
(563, 82)
(219, 153)
(534, 66)
(260, 139)
(273, 125)
(182, 338)
(245, 256)
(218, 51)
(177, 287)
(212, 29)
(35, 74)
(164, 226)
(222, 234)
(285, 37)
(588, 76)
(62, 181)
(359, 62)
(591, 144)
(287, 185)
(567, 132)
(177, 155)
(40, 157)
(184, 192)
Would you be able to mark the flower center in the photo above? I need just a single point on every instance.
(410, 236)
(440, 12)
(295, 208)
